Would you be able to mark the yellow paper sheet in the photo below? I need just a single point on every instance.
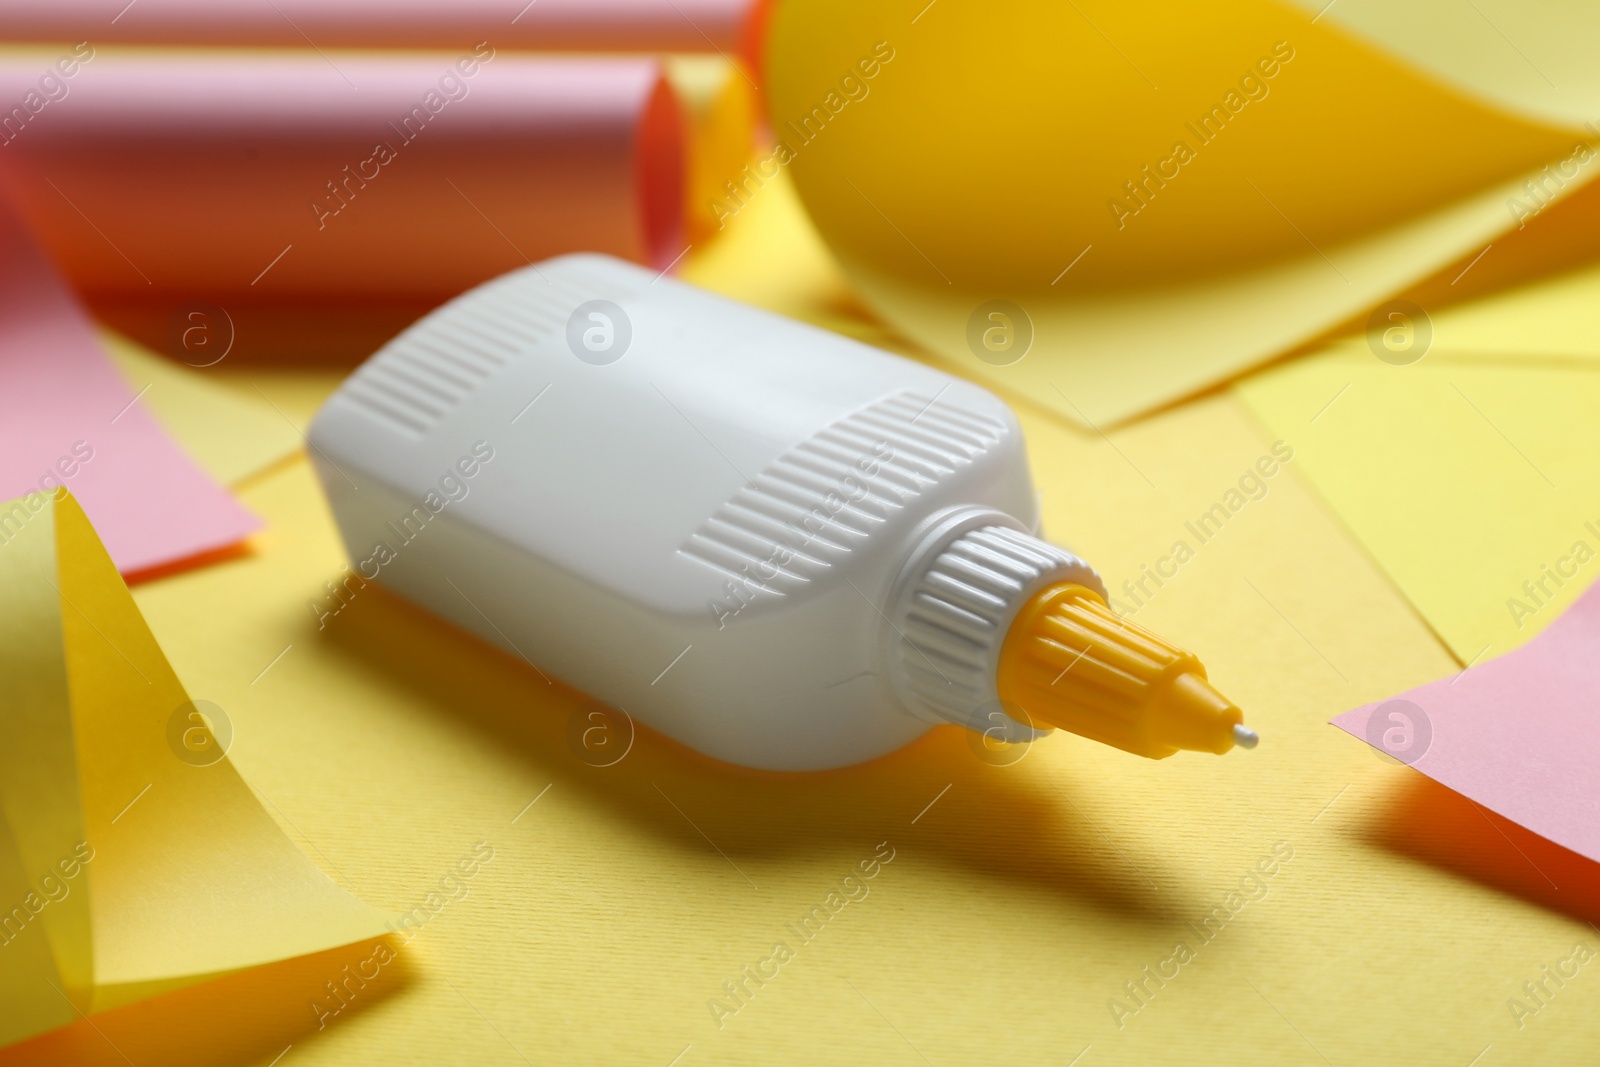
(134, 851)
(1554, 320)
(1021, 900)
(1473, 485)
(232, 435)
(1072, 869)
(1058, 158)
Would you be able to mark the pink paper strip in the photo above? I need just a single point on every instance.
(67, 417)
(1519, 734)
(729, 26)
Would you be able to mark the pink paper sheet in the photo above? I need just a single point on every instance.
(1519, 734)
(67, 417)
(729, 26)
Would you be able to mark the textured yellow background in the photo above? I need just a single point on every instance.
(1017, 904)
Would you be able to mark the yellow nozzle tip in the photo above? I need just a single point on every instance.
(1071, 662)
(1187, 713)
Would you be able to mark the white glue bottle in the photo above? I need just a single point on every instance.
(779, 546)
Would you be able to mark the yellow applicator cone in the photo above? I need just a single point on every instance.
(1069, 661)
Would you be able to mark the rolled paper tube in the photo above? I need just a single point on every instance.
(304, 176)
(732, 27)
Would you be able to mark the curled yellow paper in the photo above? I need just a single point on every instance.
(1108, 207)
(133, 858)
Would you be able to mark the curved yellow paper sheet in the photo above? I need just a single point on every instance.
(1533, 58)
(1170, 192)
(46, 971)
(143, 870)
(31, 985)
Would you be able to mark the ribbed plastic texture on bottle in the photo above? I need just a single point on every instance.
(958, 614)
